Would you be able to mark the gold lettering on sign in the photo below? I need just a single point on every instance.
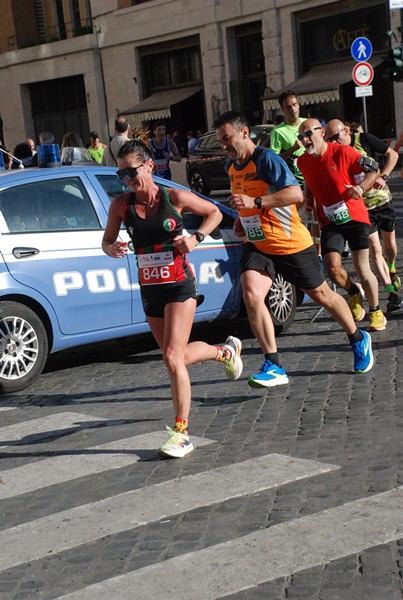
(342, 39)
(338, 41)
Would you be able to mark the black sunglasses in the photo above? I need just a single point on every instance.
(333, 138)
(308, 133)
(129, 172)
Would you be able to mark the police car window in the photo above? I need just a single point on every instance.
(112, 185)
(48, 205)
(192, 222)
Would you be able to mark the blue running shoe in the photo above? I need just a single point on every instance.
(269, 376)
(363, 357)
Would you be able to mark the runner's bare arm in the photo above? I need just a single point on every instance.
(285, 197)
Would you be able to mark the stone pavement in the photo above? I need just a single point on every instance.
(88, 510)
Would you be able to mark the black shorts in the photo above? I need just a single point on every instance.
(303, 269)
(382, 218)
(156, 297)
(333, 237)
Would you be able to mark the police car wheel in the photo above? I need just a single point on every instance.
(23, 347)
(197, 183)
(282, 303)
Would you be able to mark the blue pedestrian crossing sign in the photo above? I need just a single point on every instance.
(361, 49)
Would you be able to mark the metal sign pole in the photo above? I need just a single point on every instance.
(363, 72)
(364, 109)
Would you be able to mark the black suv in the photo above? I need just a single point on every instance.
(205, 166)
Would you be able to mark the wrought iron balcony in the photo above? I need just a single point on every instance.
(50, 34)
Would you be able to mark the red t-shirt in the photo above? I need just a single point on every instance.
(327, 176)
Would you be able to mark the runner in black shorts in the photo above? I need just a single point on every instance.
(154, 302)
(381, 214)
(152, 215)
(336, 179)
(382, 218)
(334, 237)
(266, 195)
(301, 269)
(382, 227)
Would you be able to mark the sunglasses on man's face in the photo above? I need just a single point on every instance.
(307, 134)
(333, 138)
(129, 172)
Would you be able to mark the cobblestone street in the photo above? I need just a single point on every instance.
(291, 493)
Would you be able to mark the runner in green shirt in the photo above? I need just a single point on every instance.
(283, 138)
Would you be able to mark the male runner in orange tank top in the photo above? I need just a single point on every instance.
(266, 196)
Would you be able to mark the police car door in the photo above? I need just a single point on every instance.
(51, 242)
(215, 265)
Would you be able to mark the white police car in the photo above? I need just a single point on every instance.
(59, 290)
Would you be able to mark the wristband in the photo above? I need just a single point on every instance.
(361, 188)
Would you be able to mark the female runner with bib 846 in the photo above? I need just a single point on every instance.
(152, 216)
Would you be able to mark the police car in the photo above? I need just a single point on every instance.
(59, 290)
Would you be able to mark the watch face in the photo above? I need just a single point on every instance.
(199, 236)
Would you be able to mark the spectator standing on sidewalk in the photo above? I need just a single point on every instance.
(192, 141)
(266, 196)
(7, 158)
(329, 171)
(122, 130)
(96, 148)
(45, 137)
(178, 141)
(31, 144)
(23, 153)
(378, 201)
(71, 139)
(152, 215)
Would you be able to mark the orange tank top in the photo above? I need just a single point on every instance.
(271, 230)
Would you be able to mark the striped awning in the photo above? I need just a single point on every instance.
(158, 105)
(320, 84)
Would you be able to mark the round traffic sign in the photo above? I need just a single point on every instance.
(361, 49)
(363, 73)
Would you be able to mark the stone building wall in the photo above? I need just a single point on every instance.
(109, 60)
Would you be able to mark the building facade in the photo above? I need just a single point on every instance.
(74, 65)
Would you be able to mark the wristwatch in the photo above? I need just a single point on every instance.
(258, 203)
(384, 176)
(199, 236)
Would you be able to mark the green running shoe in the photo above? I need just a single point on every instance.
(176, 446)
(234, 366)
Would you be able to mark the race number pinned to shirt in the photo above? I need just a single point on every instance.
(156, 268)
(160, 164)
(337, 213)
(253, 228)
